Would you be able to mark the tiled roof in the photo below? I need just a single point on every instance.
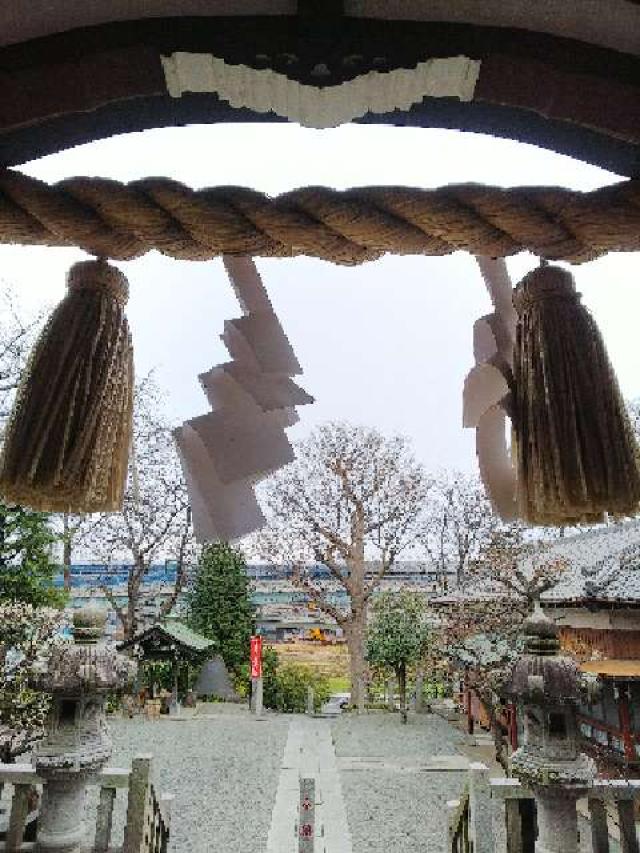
(170, 630)
(602, 565)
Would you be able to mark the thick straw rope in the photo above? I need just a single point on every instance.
(124, 221)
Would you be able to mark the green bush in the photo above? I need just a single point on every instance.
(284, 685)
(291, 684)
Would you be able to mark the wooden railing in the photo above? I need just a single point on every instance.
(147, 823)
(611, 814)
(459, 824)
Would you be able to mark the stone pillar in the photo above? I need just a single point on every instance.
(419, 703)
(481, 808)
(557, 822)
(78, 675)
(256, 696)
(391, 689)
(546, 686)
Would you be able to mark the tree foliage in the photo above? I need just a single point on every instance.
(17, 335)
(27, 633)
(397, 636)
(155, 522)
(219, 603)
(285, 685)
(459, 522)
(481, 630)
(26, 568)
(352, 501)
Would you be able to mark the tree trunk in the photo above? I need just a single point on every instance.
(401, 675)
(66, 552)
(354, 634)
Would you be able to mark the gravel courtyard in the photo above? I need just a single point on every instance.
(223, 769)
(393, 802)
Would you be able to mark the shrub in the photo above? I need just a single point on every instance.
(291, 684)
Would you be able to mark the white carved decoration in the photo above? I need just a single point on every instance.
(264, 90)
(227, 451)
(487, 388)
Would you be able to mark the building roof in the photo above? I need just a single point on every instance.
(162, 638)
(602, 566)
(612, 668)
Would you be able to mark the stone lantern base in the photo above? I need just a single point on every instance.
(61, 824)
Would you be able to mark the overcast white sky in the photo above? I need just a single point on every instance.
(387, 343)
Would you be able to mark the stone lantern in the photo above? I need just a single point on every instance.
(546, 687)
(78, 675)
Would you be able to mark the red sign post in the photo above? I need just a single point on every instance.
(256, 657)
(256, 676)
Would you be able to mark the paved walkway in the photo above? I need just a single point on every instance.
(309, 752)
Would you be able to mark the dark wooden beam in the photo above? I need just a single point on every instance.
(321, 9)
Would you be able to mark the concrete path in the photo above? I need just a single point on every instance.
(309, 753)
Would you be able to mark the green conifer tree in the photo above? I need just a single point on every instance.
(26, 567)
(219, 604)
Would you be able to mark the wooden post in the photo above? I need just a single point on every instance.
(514, 826)
(137, 803)
(625, 725)
(18, 817)
(599, 828)
(307, 816)
(513, 726)
(627, 823)
(470, 720)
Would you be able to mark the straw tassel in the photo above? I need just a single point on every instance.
(67, 444)
(577, 457)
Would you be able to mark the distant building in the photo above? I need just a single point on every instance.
(597, 605)
(282, 609)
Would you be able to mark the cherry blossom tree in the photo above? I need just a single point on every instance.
(17, 335)
(155, 522)
(27, 635)
(459, 522)
(481, 627)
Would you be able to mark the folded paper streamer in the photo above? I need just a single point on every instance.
(225, 453)
(540, 359)
(67, 444)
(487, 388)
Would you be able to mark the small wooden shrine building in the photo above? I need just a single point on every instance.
(169, 639)
(172, 641)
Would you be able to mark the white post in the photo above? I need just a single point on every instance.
(391, 702)
(256, 696)
(361, 695)
(307, 816)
